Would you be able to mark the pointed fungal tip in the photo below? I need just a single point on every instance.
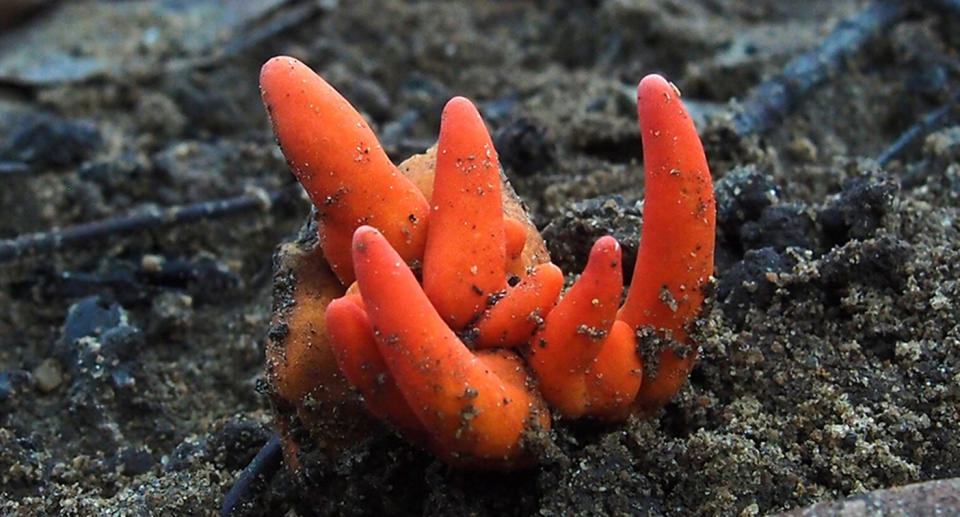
(363, 235)
(653, 83)
(460, 107)
(275, 65)
(606, 244)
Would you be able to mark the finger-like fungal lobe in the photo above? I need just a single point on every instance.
(465, 258)
(675, 258)
(341, 164)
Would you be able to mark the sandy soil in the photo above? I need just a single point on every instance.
(129, 368)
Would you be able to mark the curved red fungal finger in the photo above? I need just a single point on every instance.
(464, 259)
(340, 163)
(353, 344)
(472, 413)
(675, 259)
(576, 328)
(521, 311)
(615, 376)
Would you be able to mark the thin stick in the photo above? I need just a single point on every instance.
(769, 102)
(8, 168)
(920, 127)
(265, 462)
(82, 234)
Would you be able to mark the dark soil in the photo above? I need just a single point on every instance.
(129, 368)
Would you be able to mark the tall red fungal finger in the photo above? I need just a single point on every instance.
(340, 163)
(675, 259)
(464, 259)
(575, 330)
(515, 317)
(472, 413)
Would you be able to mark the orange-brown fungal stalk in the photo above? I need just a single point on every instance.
(436, 360)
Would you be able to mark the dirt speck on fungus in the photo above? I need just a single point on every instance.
(830, 362)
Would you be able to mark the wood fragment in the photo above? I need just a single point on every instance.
(8, 168)
(264, 464)
(768, 103)
(921, 127)
(82, 234)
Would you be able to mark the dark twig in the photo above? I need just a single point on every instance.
(769, 102)
(920, 127)
(265, 463)
(8, 169)
(45, 242)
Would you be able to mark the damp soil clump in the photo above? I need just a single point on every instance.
(830, 362)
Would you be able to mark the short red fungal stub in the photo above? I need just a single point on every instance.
(576, 329)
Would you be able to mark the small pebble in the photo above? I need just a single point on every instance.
(152, 263)
(48, 375)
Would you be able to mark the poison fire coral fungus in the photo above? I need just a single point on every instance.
(431, 335)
